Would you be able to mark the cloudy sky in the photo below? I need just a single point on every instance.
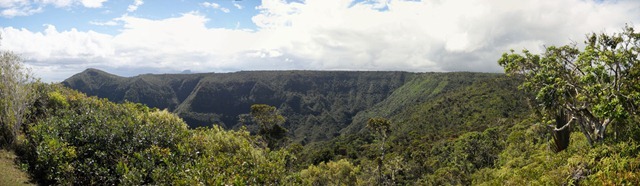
(58, 38)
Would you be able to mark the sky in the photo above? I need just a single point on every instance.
(59, 38)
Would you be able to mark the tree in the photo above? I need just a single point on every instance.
(381, 127)
(596, 87)
(270, 122)
(341, 172)
(16, 94)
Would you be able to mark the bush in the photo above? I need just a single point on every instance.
(16, 94)
(341, 172)
(86, 141)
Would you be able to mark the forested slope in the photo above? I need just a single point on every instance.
(431, 114)
(444, 127)
(318, 105)
(310, 100)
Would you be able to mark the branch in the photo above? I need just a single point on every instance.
(606, 122)
(565, 125)
(585, 132)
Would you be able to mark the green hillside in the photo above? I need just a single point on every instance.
(430, 114)
(427, 111)
(318, 105)
(445, 128)
(160, 91)
(310, 100)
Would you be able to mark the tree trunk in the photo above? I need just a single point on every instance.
(380, 163)
(584, 131)
(561, 132)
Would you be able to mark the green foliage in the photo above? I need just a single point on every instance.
(87, 141)
(270, 122)
(341, 172)
(424, 90)
(379, 126)
(442, 129)
(454, 161)
(209, 156)
(436, 130)
(612, 165)
(57, 100)
(355, 147)
(317, 104)
(528, 160)
(84, 142)
(16, 84)
(598, 85)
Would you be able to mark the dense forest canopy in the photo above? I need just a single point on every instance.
(596, 87)
(312, 101)
(337, 128)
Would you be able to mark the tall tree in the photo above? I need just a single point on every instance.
(381, 127)
(596, 87)
(15, 95)
(270, 122)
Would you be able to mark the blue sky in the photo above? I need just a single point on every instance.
(58, 38)
(225, 14)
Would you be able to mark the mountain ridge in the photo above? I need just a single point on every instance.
(203, 99)
(318, 105)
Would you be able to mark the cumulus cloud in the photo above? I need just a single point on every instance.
(433, 35)
(133, 7)
(54, 45)
(57, 54)
(452, 35)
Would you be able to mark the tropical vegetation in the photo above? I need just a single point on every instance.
(572, 121)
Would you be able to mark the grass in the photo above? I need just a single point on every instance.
(10, 174)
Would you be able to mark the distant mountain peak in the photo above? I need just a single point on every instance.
(94, 72)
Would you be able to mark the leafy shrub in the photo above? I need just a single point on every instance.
(341, 172)
(86, 141)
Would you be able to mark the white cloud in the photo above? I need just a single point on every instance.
(20, 11)
(433, 35)
(238, 6)
(93, 3)
(13, 8)
(453, 35)
(67, 3)
(211, 5)
(107, 23)
(57, 51)
(133, 7)
(13, 3)
(56, 3)
(215, 6)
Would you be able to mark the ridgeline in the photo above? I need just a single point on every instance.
(318, 105)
